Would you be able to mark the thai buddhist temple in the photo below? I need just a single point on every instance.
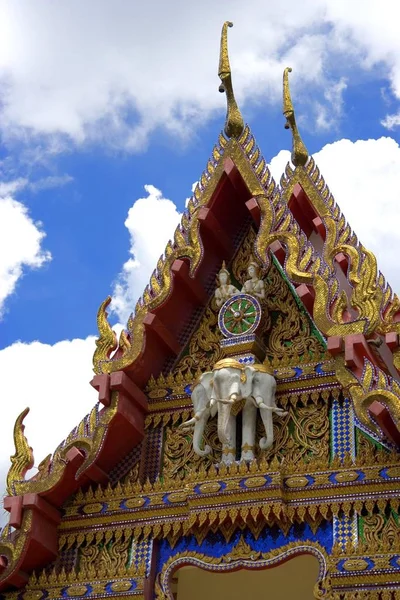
(245, 442)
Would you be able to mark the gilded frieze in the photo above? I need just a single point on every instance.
(226, 498)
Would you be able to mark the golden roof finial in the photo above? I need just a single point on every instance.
(234, 123)
(299, 151)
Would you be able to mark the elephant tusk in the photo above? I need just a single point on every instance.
(280, 411)
(226, 401)
(193, 421)
(262, 405)
(275, 409)
(188, 424)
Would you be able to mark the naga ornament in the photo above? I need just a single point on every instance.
(106, 343)
(23, 459)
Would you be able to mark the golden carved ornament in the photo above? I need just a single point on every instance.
(121, 586)
(370, 295)
(228, 363)
(106, 343)
(234, 123)
(75, 591)
(381, 534)
(373, 385)
(299, 151)
(12, 546)
(302, 433)
(23, 459)
(355, 564)
(289, 338)
(87, 436)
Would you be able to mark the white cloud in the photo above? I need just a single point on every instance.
(15, 186)
(65, 70)
(364, 177)
(278, 164)
(20, 245)
(391, 121)
(328, 114)
(193, 188)
(9, 188)
(55, 384)
(49, 182)
(151, 223)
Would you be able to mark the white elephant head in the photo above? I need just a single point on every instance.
(234, 382)
(231, 383)
(263, 394)
(201, 396)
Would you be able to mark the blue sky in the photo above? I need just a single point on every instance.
(98, 102)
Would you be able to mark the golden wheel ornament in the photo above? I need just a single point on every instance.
(239, 315)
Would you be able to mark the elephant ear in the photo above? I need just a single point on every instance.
(199, 397)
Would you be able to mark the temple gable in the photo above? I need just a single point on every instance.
(248, 414)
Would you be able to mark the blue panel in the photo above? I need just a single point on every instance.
(269, 539)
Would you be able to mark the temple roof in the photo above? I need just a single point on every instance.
(299, 223)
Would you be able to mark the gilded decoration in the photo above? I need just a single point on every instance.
(302, 433)
(107, 556)
(234, 123)
(299, 151)
(23, 459)
(369, 295)
(373, 385)
(381, 533)
(11, 545)
(103, 566)
(288, 334)
(291, 337)
(87, 436)
(237, 496)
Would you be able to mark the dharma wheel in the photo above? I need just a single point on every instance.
(239, 315)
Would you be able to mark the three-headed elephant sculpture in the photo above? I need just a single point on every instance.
(232, 387)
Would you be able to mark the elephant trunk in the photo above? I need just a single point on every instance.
(198, 434)
(224, 411)
(266, 415)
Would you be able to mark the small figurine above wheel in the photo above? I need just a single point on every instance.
(239, 315)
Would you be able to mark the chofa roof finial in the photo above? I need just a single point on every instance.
(234, 123)
(299, 151)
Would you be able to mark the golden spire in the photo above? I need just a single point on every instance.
(234, 123)
(299, 151)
